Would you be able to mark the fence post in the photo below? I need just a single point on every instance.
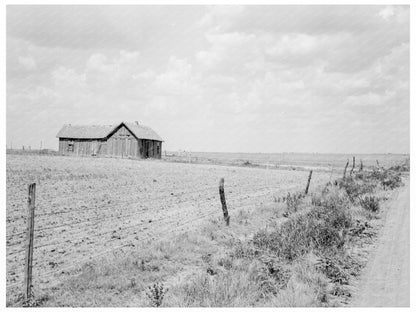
(309, 181)
(29, 246)
(223, 203)
(353, 165)
(345, 169)
(361, 165)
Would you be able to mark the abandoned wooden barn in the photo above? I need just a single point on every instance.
(127, 139)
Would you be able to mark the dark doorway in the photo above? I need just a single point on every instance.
(146, 149)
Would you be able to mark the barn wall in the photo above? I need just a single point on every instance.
(81, 147)
(150, 149)
(122, 143)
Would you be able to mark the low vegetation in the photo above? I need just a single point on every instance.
(307, 258)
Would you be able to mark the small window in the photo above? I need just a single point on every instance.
(70, 146)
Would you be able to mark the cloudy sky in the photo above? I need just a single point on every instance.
(214, 78)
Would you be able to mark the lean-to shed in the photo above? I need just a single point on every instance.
(127, 139)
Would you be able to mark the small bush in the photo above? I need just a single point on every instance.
(392, 181)
(403, 167)
(292, 202)
(387, 178)
(333, 269)
(244, 250)
(354, 188)
(273, 276)
(316, 200)
(361, 229)
(225, 289)
(156, 293)
(370, 203)
(322, 228)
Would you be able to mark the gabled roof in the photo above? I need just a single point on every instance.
(103, 131)
(142, 132)
(84, 132)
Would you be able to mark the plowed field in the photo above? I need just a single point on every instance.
(87, 207)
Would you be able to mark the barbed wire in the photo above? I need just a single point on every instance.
(204, 216)
(231, 202)
(175, 228)
(181, 225)
(115, 204)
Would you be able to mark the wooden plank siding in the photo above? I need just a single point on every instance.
(120, 143)
(82, 147)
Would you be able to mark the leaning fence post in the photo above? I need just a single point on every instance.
(345, 169)
(353, 165)
(223, 203)
(29, 246)
(309, 181)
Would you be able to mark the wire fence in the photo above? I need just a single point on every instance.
(127, 219)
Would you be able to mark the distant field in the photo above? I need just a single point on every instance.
(291, 161)
(288, 160)
(87, 206)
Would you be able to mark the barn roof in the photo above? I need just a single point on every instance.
(103, 131)
(84, 132)
(142, 132)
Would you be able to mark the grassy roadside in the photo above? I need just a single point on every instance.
(299, 251)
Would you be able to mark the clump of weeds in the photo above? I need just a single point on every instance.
(156, 293)
(370, 203)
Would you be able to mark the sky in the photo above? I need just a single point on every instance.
(315, 79)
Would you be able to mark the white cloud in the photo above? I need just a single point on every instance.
(387, 12)
(27, 62)
(178, 79)
(277, 76)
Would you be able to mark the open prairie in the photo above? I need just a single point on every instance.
(86, 207)
(315, 161)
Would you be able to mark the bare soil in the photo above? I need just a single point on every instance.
(386, 279)
(86, 207)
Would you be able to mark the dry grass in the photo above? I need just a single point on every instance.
(306, 260)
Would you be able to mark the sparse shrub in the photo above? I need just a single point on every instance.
(403, 167)
(227, 263)
(322, 228)
(387, 178)
(360, 229)
(316, 200)
(244, 250)
(225, 289)
(370, 203)
(340, 291)
(273, 276)
(156, 293)
(333, 211)
(333, 269)
(392, 181)
(292, 202)
(354, 189)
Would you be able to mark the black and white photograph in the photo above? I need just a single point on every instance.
(207, 155)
